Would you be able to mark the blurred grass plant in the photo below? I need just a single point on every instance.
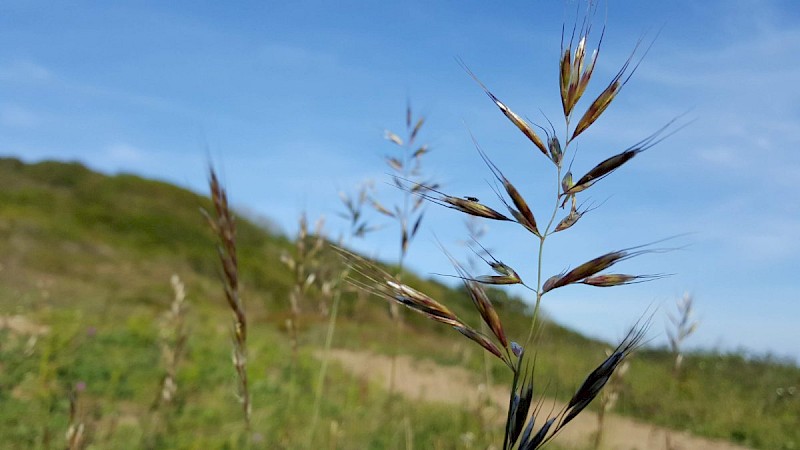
(406, 166)
(528, 424)
(223, 225)
(331, 288)
(303, 264)
(173, 336)
(683, 326)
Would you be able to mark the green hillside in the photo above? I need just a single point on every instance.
(85, 267)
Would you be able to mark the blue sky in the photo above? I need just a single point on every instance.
(291, 100)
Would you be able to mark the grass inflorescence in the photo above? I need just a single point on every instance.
(575, 75)
(223, 224)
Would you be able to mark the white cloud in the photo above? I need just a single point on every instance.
(13, 116)
(722, 156)
(24, 71)
(121, 153)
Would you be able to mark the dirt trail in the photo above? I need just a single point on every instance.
(430, 382)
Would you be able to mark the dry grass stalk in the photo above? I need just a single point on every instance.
(574, 77)
(173, 336)
(75, 431)
(172, 342)
(224, 226)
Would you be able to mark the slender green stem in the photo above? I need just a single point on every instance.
(542, 238)
(326, 356)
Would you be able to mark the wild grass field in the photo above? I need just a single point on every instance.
(85, 266)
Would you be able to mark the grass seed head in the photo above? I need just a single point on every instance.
(473, 208)
(613, 163)
(617, 279)
(483, 341)
(467, 205)
(554, 146)
(518, 121)
(602, 170)
(594, 266)
(481, 301)
(600, 376)
(601, 103)
(522, 213)
(574, 74)
(487, 311)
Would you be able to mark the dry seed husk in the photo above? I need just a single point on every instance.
(482, 340)
(605, 98)
(568, 221)
(506, 274)
(599, 377)
(481, 302)
(393, 137)
(380, 283)
(518, 121)
(523, 213)
(555, 150)
(573, 77)
(602, 170)
(472, 208)
(487, 311)
(614, 162)
(617, 279)
(539, 438)
(590, 268)
(465, 205)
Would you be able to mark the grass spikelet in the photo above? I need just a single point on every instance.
(618, 279)
(594, 266)
(523, 212)
(377, 281)
(600, 376)
(467, 205)
(518, 121)
(224, 226)
(601, 103)
(483, 341)
(505, 274)
(574, 74)
(481, 302)
(613, 163)
(575, 213)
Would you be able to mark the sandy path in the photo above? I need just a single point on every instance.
(434, 383)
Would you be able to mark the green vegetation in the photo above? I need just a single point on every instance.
(90, 257)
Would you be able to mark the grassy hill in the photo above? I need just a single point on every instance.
(85, 267)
